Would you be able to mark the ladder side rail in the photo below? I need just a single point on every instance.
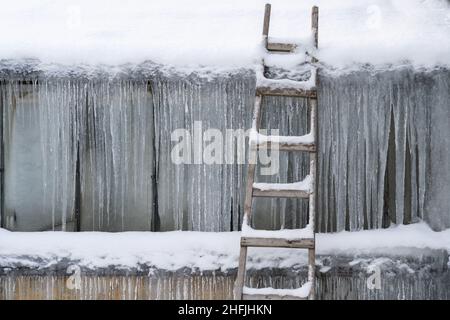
(313, 158)
(315, 25)
(266, 24)
(315, 29)
(252, 158)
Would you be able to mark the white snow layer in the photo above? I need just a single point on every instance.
(301, 292)
(258, 138)
(305, 185)
(222, 34)
(289, 234)
(198, 250)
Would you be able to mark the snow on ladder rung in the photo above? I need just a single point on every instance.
(286, 143)
(284, 234)
(301, 189)
(286, 87)
(277, 294)
(291, 43)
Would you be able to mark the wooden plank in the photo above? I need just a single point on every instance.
(315, 29)
(280, 193)
(252, 158)
(277, 243)
(256, 119)
(308, 147)
(315, 25)
(289, 92)
(313, 163)
(266, 22)
(249, 188)
(269, 297)
(282, 47)
(312, 197)
(312, 271)
(240, 278)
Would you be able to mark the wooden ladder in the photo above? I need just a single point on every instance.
(300, 238)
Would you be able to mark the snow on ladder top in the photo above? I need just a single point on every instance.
(306, 41)
(294, 62)
(290, 46)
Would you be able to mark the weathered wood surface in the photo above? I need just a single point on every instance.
(311, 271)
(315, 25)
(269, 297)
(277, 243)
(281, 47)
(252, 160)
(280, 193)
(308, 147)
(266, 22)
(286, 92)
(240, 278)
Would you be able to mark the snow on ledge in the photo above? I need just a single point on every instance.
(222, 33)
(197, 250)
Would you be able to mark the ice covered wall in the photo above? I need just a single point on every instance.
(39, 134)
(101, 149)
(117, 178)
(437, 204)
(78, 154)
(196, 195)
(384, 149)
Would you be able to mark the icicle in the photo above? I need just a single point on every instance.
(354, 127)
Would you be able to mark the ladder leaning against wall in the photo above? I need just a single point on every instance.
(300, 238)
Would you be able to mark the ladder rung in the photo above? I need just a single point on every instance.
(286, 143)
(299, 189)
(288, 92)
(287, 87)
(289, 235)
(310, 147)
(282, 47)
(281, 193)
(270, 297)
(277, 243)
(277, 294)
